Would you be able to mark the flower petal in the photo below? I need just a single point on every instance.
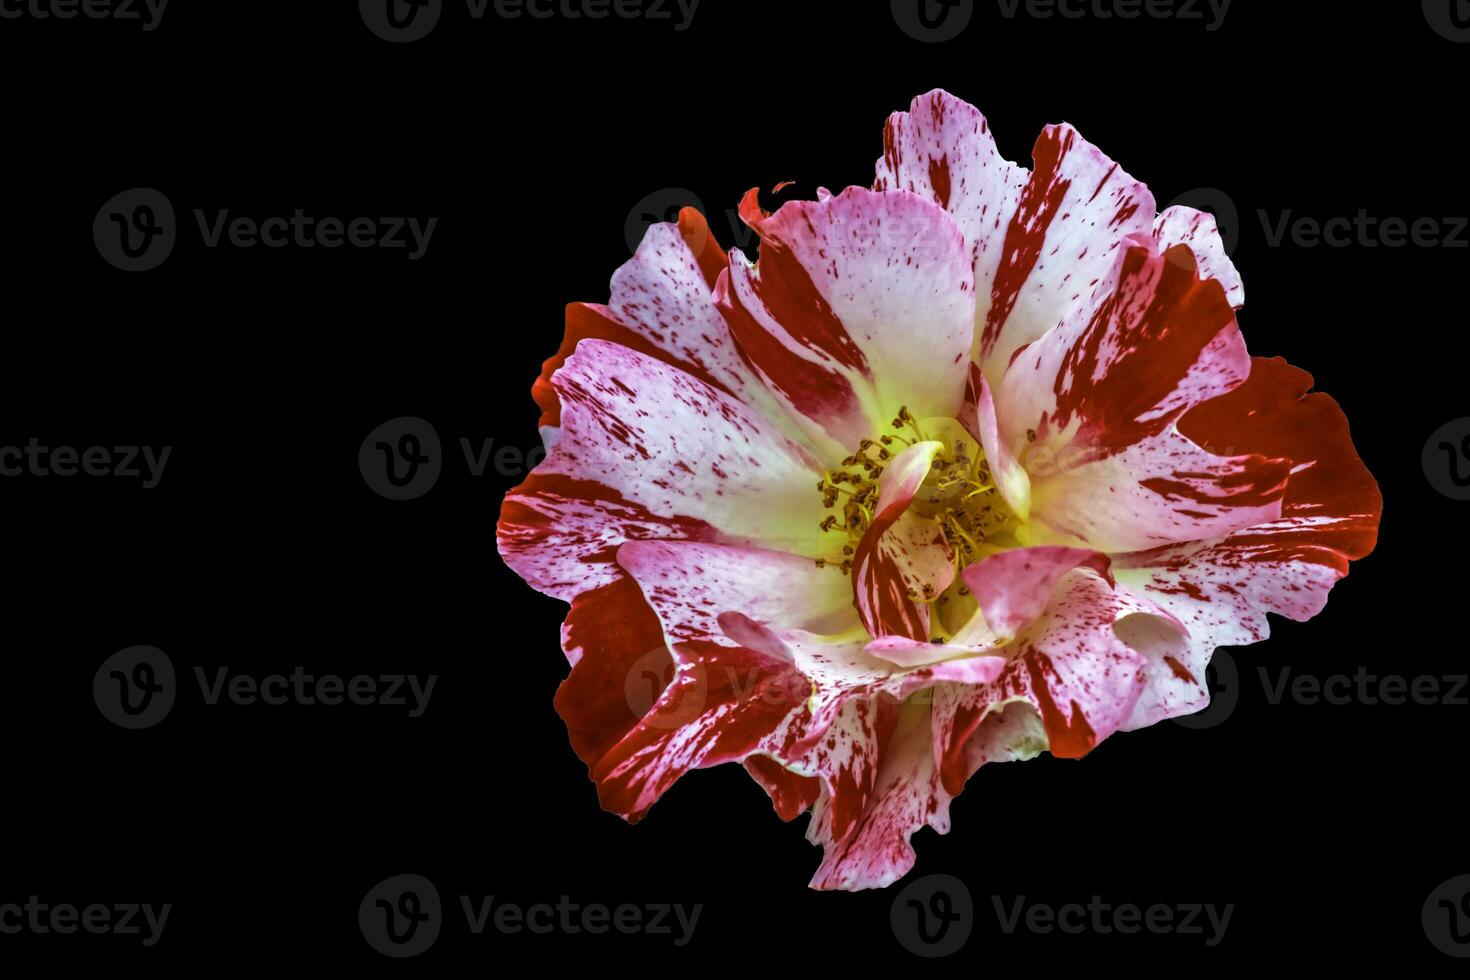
(942, 149)
(662, 305)
(616, 647)
(979, 419)
(1077, 212)
(1014, 587)
(861, 304)
(738, 689)
(1222, 589)
(906, 794)
(691, 585)
(1069, 665)
(1094, 404)
(721, 705)
(1197, 230)
(884, 558)
(792, 794)
(647, 451)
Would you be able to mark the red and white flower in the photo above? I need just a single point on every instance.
(968, 466)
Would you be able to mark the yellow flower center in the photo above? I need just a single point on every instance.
(959, 493)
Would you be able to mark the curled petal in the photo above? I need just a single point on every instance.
(906, 794)
(1014, 587)
(1070, 666)
(980, 421)
(1197, 231)
(883, 559)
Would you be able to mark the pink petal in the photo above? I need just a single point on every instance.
(979, 419)
(1197, 230)
(1222, 589)
(1092, 408)
(691, 585)
(1070, 666)
(1014, 587)
(647, 451)
(663, 306)
(719, 708)
(741, 690)
(1076, 214)
(861, 304)
(942, 149)
(906, 794)
(879, 582)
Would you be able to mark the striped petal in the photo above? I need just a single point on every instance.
(1221, 589)
(1093, 406)
(648, 451)
(862, 303)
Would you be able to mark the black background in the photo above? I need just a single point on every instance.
(262, 548)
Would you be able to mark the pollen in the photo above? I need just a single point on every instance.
(959, 494)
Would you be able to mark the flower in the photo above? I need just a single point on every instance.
(969, 466)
